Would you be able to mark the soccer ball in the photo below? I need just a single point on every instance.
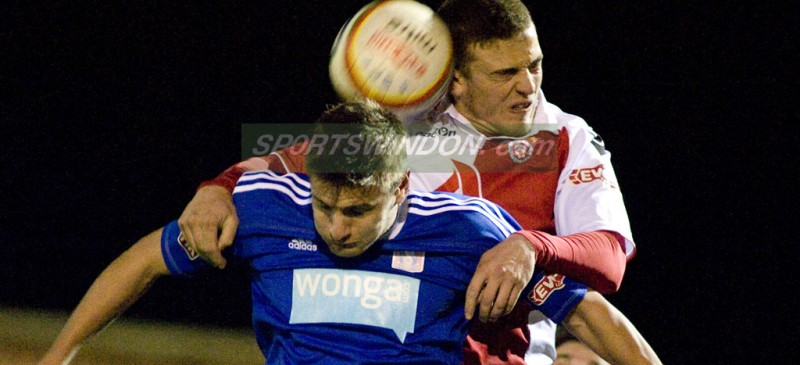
(396, 52)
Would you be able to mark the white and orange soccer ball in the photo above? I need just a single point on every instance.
(396, 52)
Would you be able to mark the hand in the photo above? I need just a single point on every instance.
(502, 273)
(210, 212)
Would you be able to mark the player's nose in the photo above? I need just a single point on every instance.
(526, 82)
(340, 228)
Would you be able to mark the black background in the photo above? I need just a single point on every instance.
(113, 113)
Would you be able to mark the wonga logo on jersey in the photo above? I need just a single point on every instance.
(357, 297)
(587, 175)
(544, 287)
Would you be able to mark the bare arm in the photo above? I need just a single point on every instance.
(117, 288)
(607, 331)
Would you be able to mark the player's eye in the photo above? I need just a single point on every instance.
(319, 205)
(535, 66)
(506, 73)
(356, 211)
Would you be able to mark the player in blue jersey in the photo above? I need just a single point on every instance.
(349, 267)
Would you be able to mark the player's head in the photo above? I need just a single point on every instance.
(497, 64)
(358, 175)
(573, 352)
(570, 351)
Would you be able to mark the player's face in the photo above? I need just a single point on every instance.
(351, 220)
(575, 353)
(499, 89)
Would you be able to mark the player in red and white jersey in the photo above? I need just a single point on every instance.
(556, 180)
(544, 178)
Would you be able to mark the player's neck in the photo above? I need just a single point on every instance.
(399, 221)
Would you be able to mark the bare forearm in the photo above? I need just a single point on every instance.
(116, 289)
(608, 332)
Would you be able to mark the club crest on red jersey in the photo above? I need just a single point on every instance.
(544, 287)
(520, 150)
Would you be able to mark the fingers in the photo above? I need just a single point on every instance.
(208, 247)
(487, 301)
(498, 307)
(489, 293)
(473, 294)
(506, 300)
(513, 298)
(503, 271)
(209, 224)
(500, 277)
(203, 240)
(497, 298)
(228, 232)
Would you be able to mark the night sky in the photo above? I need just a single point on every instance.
(112, 114)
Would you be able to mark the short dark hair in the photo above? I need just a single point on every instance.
(364, 146)
(480, 21)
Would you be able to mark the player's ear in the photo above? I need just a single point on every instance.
(457, 87)
(402, 190)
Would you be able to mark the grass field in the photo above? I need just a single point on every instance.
(26, 334)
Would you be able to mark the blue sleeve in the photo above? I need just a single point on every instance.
(180, 258)
(555, 295)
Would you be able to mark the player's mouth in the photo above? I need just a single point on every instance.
(344, 245)
(521, 107)
(343, 249)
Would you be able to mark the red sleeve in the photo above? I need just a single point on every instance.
(291, 159)
(593, 258)
(228, 178)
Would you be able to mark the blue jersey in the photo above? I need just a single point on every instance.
(399, 302)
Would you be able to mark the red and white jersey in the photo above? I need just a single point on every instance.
(557, 179)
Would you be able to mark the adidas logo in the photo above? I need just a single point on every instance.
(301, 244)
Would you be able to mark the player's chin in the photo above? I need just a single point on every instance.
(347, 250)
(513, 125)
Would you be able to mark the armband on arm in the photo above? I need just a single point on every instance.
(555, 295)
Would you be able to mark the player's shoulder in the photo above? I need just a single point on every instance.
(551, 115)
(453, 207)
(270, 203)
(292, 185)
(580, 133)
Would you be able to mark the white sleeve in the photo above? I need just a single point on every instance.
(588, 197)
